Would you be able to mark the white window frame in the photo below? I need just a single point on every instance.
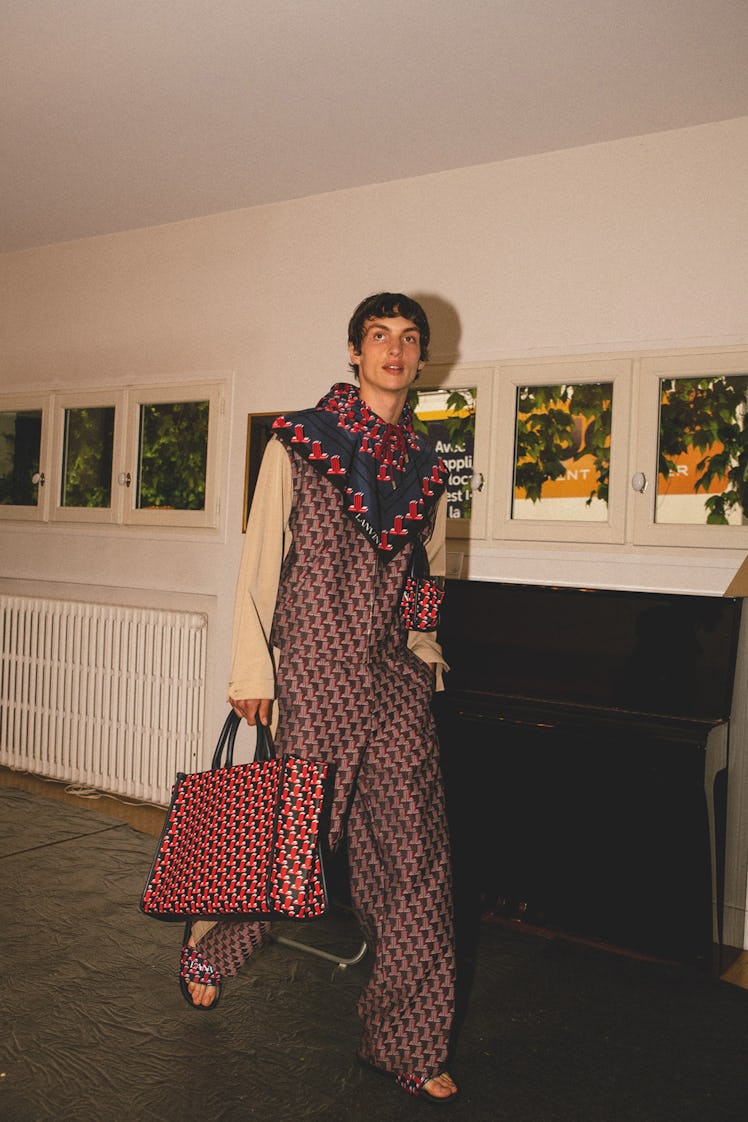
(214, 394)
(481, 377)
(126, 402)
(88, 399)
(616, 370)
(20, 403)
(644, 529)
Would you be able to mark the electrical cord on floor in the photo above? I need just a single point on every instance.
(95, 793)
(85, 792)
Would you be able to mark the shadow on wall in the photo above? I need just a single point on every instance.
(444, 321)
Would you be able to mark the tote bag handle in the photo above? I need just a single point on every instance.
(263, 751)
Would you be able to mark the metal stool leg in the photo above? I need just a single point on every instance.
(337, 959)
(341, 961)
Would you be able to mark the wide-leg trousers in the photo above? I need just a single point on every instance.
(389, 797)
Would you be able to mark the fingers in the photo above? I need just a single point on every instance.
(253, 710)
(246, 708)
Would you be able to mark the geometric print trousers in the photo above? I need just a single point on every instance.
(401, 891)
(389, 793)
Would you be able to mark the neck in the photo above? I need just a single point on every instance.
(387, 406)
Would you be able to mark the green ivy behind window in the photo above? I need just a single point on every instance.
(87, 457)
(173, 456)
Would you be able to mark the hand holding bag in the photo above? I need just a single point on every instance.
(242, 840)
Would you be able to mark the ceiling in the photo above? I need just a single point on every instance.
(117, 114)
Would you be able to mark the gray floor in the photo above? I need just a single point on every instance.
(94, 1028)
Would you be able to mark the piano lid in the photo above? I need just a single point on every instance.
(652, 653)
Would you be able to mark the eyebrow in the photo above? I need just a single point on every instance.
(377, 325)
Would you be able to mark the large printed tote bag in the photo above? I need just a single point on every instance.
(242, 840)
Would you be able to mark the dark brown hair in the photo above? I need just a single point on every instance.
(387, 305)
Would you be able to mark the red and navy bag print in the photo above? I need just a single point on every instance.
(422, 596)
(242, 840)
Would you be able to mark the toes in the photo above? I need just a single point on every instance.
(441, 1086)
(201, 994)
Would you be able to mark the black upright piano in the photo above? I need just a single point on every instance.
(584, 740)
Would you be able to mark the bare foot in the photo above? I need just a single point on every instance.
(441, 1086)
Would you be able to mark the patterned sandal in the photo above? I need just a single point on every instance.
(194, 968)
(416, 1085)
(413, 1084)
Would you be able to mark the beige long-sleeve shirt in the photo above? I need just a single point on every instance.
(266, 543)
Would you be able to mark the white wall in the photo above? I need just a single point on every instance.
(629, 245)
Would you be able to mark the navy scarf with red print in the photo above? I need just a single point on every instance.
(389, 476)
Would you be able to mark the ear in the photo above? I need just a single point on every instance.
(353, 354)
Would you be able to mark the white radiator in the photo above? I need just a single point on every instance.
(106, 696)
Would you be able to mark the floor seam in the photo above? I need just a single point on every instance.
(64, 841)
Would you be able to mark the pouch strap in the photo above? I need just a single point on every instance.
(419, 562)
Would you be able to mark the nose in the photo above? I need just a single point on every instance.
(395, 345)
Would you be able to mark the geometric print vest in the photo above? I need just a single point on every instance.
(337, 600)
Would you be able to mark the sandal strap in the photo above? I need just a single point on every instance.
(194, 968)
(413, 1084)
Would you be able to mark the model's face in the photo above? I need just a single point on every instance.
(390, 356)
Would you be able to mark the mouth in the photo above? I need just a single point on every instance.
(394, 368)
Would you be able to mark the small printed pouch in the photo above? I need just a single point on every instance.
(422, 595)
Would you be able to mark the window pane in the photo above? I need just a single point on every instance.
(20, 444)
(87, 457)
(703, 452)
(173, 456)
(562, 452)
(447, 417)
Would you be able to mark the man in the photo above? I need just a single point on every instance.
(345, 492)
